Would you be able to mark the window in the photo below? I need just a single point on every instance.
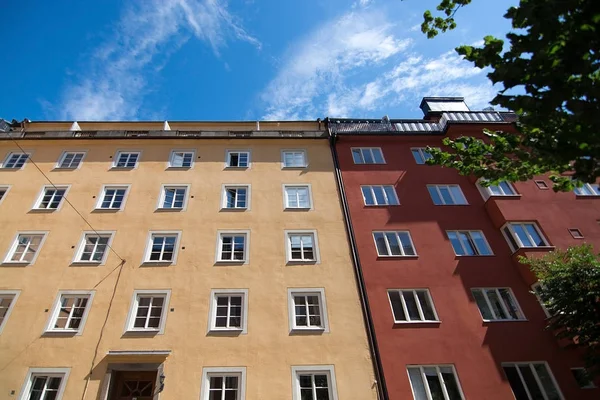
(394, 244)
(531, 381)
(3, 192)
(44, 384)
(583, 378)
(236, 197)
(229, 310)
(173, 197)
(162, 247)
(126, 160)
(379, 195)
(434, 382)
(576, 233)
(367, 155)
(293, 159)
(497, 304)
(314, 383)
(501, 189)
(25, 248)
(15, 160)
(70, 160)
(238, 159)
(446, 195)
(148, 311)
(297, 197)
(112, 198)
(302, 246)
(307, 310)
(541, 184)
(469, 243)
(8, 298)
(51, 198)
(233, 247)
(523, 234)
(70, 311)
(541, 298)
(226, 383)
(412, 305)
(182, 159)
(420, 154)
(587, 190)
(93, 247)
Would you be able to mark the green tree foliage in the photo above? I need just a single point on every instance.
(570, 287)
(548, 73)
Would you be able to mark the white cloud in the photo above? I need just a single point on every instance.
(148, 32)
(324, 58)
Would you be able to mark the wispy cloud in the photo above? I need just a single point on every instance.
(147, 33)
(358, 64)
(323, 60)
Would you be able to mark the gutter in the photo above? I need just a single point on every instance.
(382, 393)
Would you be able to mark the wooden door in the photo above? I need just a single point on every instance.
(134, 385)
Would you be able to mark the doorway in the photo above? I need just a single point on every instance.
(134, 385)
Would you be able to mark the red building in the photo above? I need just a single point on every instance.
(451, 308)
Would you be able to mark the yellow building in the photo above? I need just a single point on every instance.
(176, 261)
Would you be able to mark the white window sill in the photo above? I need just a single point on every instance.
(231, 262)
(505, 320)
(122, 168)
(44, 210)
(300, 329)
(234, 209)
(474, 255)
(587, 196)
(143, 331)
(416, 322)
(451, 205)
(505, 196)
(299, 262)
(234, 167)
(225, 331)
(295, 167)
(92, 263)
(151, 263)
(542, 248)
(167, 209)
(297, 208)
(17, 263)
(176, 168)
(65, 332)
(396, 257)
(65, 168)
(106, 210)
(381, 205)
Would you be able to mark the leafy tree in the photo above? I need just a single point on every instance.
(549, 75)
(570, 289)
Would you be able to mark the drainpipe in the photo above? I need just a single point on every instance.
(382, 393)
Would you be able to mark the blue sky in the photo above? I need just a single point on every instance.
(234, 60)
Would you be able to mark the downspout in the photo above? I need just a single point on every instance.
(382, 393)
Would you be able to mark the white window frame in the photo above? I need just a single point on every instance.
(419, 307)
(588, 188)
(302, 232)
(387, 244)
(118, 155)
(535, 375)
(6, 189)
(161, 197)
(8, 293)
(10, 153)
(103, 190)
(63, 373)
(64, 155)
(308, 186)
(421, 151)
(172, 155)
(502, 305)
(516, 238)
(228, 159)
(165, 293)
(486, 191)
(221, 234)
(38, 201)
(208, 372)
(320, 293)
(541, 184)
(441, 379)
(536, 292)
(473, 243)
(590, 385)
(437, 189)
(328, 370)
(14, 245)
(387, 200)
(370, 149)
(303, 151)
(227, 186)
(57, 306)
(79, 252)
(213, 310)
(150, 241)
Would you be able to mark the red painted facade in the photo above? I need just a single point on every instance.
(475, 348)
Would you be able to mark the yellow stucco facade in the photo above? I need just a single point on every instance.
(268, 350)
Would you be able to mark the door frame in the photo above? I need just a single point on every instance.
(112, 369)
